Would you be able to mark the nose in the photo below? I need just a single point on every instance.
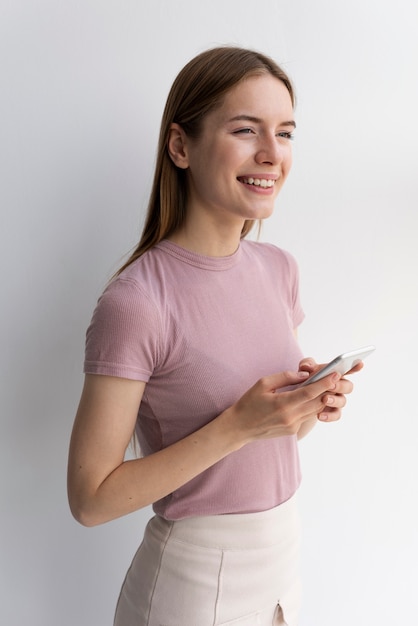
(271, 150)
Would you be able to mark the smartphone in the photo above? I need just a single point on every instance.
(341, 364)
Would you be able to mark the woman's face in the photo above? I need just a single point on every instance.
(242, 158)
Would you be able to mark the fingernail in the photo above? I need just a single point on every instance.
(323, 417)
(303, 374)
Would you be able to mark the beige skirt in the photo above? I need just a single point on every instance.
(218, 570)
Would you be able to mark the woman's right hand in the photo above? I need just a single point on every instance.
(271, 409)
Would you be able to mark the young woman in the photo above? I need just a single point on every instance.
(193, 347)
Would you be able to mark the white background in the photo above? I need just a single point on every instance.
(82, 90)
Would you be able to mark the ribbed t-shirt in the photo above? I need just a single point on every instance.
(200, 331)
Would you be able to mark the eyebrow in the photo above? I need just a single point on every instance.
(257, 120)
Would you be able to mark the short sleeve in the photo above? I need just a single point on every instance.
(123, 337)
(297, 313)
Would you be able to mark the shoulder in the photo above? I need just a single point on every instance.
(140, 280)
(126, 328)
(271, 255)
(129, 297)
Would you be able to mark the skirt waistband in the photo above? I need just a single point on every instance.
(235, 531)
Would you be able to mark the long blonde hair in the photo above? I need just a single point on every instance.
(198, 89)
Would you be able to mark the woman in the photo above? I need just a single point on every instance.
(193, 347)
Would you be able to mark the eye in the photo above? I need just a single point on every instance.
(243, 131)
(284, 134)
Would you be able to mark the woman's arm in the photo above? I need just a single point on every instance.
(102, 486)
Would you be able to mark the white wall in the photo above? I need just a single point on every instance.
(82, 90)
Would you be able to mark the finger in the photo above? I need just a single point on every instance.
(333, 407)
(308, 364)
(329, 415)
(307, 401)
(318, 388)
(282, 379)
(344, 386)
(335, 401)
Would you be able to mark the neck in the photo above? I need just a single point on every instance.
(209, 240)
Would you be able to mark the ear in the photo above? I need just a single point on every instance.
(177, 146)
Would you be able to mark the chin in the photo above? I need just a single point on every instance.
(262, 214)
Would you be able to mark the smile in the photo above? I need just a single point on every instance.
(258, 182)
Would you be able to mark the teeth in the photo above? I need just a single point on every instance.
(259, 182)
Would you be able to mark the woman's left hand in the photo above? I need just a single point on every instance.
(335, 401)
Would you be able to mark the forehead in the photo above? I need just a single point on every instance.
(263, 96)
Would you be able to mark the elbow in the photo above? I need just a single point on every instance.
(82, 516)
(83, 502)
(83, 512)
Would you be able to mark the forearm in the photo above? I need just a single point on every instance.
(137, 483)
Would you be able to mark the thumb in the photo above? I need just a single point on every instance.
(285, 379)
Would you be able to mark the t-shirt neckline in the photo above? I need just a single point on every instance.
(200, 260)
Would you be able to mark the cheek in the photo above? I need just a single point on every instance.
(287, 165)
(288, 160)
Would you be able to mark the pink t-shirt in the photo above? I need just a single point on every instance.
(200, 331)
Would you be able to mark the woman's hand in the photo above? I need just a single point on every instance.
(336, 400)
(275, 406)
